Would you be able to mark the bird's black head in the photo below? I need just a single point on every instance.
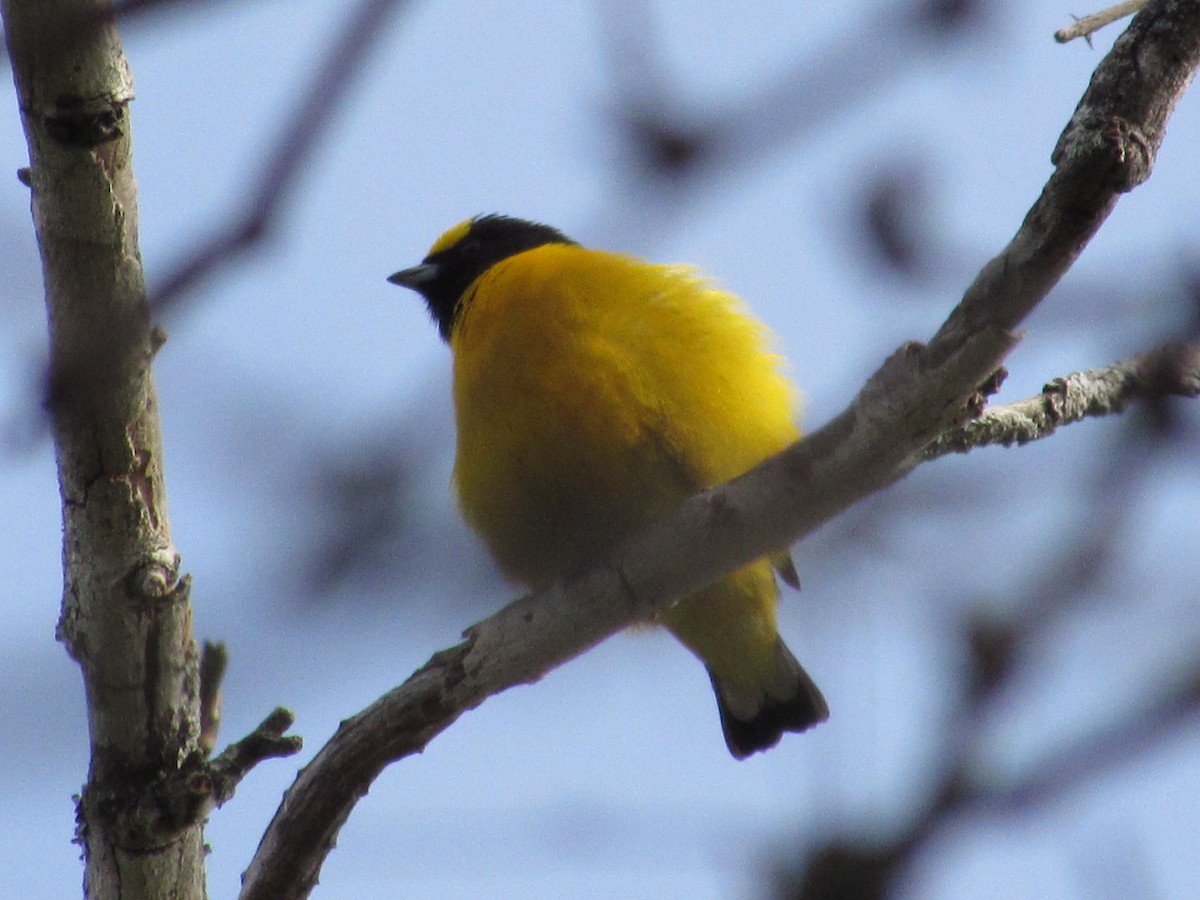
(464, 253)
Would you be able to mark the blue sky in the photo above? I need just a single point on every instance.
(609, 778)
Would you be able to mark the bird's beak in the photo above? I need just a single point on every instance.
(415, 278)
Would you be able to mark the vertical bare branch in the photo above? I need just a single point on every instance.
(125, 613)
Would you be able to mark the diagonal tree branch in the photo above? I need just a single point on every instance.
(917, 395)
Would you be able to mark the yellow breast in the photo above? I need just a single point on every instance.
(594, 392)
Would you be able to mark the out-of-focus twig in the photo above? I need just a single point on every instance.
(674, 147)
(307, 122)
(214, 661)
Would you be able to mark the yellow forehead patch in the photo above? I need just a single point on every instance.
(451, 237)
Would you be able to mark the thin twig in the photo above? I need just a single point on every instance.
(1174, 709)
(1089, 25)
(1170, 370)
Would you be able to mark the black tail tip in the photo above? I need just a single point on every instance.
(800, 712)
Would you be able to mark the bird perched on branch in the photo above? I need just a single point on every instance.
(594, 392)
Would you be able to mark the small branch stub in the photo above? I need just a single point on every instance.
(149, 816)
(267, 741)
(214, 661)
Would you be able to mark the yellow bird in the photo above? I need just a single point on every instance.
(594, 392)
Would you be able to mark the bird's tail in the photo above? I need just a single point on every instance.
(754, 721)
